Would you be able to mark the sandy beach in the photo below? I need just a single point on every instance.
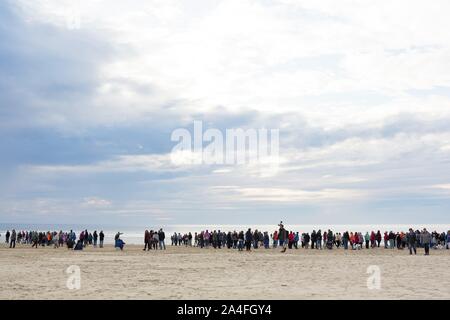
(192, 273)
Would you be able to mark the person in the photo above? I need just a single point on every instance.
(412, 240)
(275, 239)
(398, 240)
(296, 240)
(291, 237)
(79, 245)
(448, 240)
(56, 240)
(241, 239)
(338, 240)
(330, 239)
(266, 240)
(425, 239)
(367, 239)
(101, 237)
(378, 238)
(35, 240)
(345, 239)
(146, 240)
(7, 236)
(248, 239)
(118, 242)
(281, 235)
(12, 240)
(319, 239)
(386, 240)
(162, 236)
(155, 239)
(95, 237)
(70, 243)
(306, 240)
(391, 240)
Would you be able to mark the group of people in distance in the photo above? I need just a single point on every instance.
(247, 240)
(154, 240)
(60, 239)
(319, 240)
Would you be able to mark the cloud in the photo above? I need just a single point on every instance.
(360, 93)
(295, 195)
(96, 202)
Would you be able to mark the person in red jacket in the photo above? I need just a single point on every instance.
(291, 237)
(275, 239)
(372, 239)
(386, 239)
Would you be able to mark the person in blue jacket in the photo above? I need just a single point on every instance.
(119, 242)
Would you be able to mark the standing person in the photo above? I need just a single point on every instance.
(219, 239)
(241, 239)
(248, 239)
(338, 240)
(306, 239)
(281, 235)
(12, 240)
(162, 236)
(296, 240)
(35, 239)
(330, 239)
(156, 240)
(345, 240)
(398, 240)
(412, 240)
(146, 241)
(275, 239)
(391, 240)
(367, 239)
(372, 239)
(319, 240)
(81, 237)
(95, 237)
(266, 240)
(291, 237)
(102, 238)
(86, 238)
(189, 239)
(425, 238)
(378, 238)
(313, 239)
(7, 236)
(56, 240)
(174, 239)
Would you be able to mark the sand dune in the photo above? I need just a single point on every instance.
(192, 273)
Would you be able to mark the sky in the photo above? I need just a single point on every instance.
(91, 91)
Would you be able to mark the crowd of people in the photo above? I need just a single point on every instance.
(56, 239)
(154, 240)
(318, 240)
(248, 240)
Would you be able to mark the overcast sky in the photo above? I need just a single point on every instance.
(90, 92)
